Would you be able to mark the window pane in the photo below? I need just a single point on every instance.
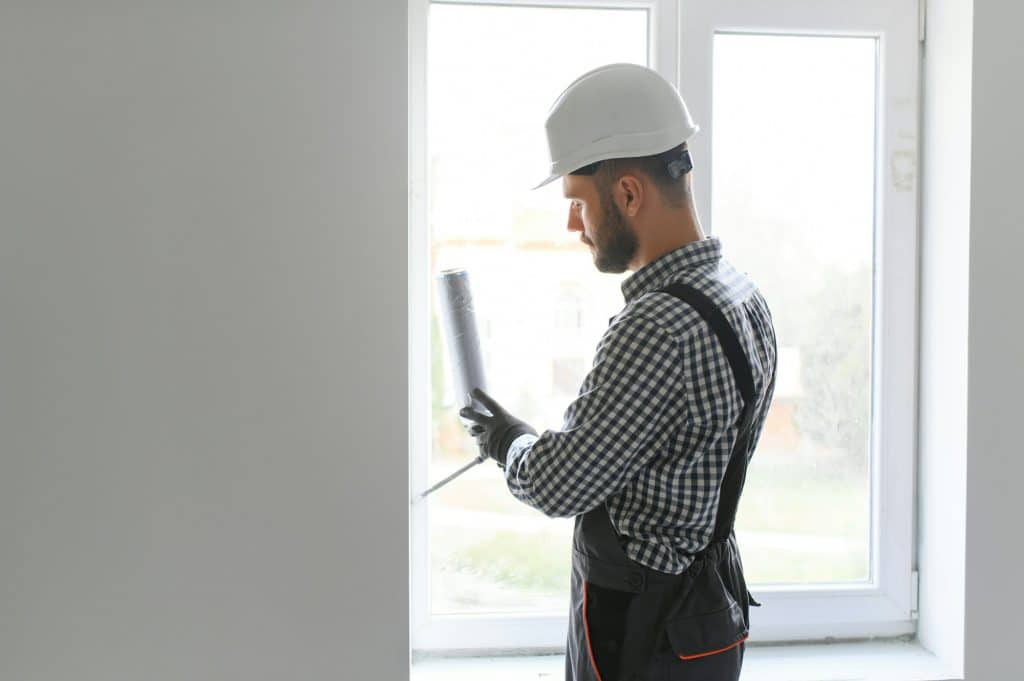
(793, 200)
(492, 74)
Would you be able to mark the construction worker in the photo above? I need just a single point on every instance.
(652, 454)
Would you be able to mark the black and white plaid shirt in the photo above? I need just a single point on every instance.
(655, 420)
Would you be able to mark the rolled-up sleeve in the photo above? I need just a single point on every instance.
(631, 395)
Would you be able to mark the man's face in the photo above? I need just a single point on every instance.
(603, 228)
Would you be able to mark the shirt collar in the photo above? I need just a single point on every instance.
(662, 270)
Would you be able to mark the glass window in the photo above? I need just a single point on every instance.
(793, 200)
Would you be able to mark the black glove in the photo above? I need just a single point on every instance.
(494, 434)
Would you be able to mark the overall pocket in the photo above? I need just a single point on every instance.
(712, 618)
(696, 636)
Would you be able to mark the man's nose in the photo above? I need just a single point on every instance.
(575, 224)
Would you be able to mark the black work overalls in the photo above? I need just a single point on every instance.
(622, 612)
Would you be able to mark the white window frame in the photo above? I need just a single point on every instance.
(680, 48)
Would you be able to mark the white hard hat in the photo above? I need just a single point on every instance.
(614, 111)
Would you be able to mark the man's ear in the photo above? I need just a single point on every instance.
(629, 191)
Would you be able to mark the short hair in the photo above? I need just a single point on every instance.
(675, 190)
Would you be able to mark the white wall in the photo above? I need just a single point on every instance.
(995, 462)
(203, 340)
(945, 215)
(971, 546)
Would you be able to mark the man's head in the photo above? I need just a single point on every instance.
(617, 138)
(623, 204)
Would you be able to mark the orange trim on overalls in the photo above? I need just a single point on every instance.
(586, 631)
(720, 650)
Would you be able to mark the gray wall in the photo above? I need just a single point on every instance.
(995, 461)
(203, 340)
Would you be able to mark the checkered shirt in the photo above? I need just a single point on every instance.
(654, 423)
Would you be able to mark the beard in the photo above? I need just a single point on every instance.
(615, 244)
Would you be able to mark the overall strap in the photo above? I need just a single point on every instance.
(736, 471)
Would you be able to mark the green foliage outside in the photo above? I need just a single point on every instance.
(835, 344)
(529, 561)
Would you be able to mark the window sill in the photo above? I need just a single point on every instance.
(860, 661)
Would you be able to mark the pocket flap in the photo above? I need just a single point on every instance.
(707, 634)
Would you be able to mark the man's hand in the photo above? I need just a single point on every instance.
(494, 434)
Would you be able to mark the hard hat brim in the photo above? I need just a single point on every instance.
(547, 180)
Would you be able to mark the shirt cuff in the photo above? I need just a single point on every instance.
(518, 446)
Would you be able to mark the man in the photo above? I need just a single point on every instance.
(652, 455)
